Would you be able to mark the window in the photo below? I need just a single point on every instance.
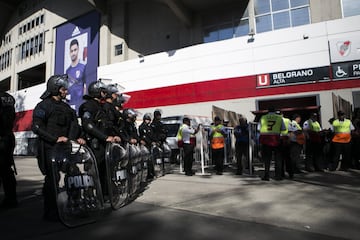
(350, 8)
(31, 46)
(5, 84)
(281, 20)
(234, 23)
(276, 14)
(118, 49)
(300, 16)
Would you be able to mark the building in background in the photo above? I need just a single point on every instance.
(188, 57)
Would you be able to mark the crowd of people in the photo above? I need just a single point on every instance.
(294, 146)
(102, 120)
(285, 141)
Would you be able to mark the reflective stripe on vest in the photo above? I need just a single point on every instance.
(342, 130)
(218, 140)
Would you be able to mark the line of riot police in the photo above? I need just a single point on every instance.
(103, 159)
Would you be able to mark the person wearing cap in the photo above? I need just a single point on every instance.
(342, 128)
(187, 136)
(270, 127)
(217, 136)
(314, 144)
(54, 121)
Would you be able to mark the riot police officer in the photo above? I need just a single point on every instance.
(160, 149)
(54, 121)
(145, 139)
(145, 131)
(130, 130)
(7, 145)
(111, 107)
(97, 126)
(158, 129)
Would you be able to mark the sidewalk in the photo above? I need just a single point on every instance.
(325, 203)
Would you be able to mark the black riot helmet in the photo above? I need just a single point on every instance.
(54, 84)
(113, 88)
(95, 89)
(157, 113)
(121, 100)
(147, 116)
(130, 113)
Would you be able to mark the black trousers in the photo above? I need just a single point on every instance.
(267, 152)
(314, 156)
(242, 149)
(188, 157)
(343, 149)
(218, 159)
(49, 187)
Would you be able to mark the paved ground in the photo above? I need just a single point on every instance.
(312, 206)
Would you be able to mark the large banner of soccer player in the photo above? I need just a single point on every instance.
(77, 54)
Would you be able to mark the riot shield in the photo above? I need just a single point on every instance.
(166, 154)
(116, 160)
(133, 168)
(79, 197)
(145, 158)
(157, 157)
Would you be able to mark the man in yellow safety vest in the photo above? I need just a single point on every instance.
(270, 126)
(217, 136)
(341, 128)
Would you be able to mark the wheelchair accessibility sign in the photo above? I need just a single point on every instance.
(346, 70)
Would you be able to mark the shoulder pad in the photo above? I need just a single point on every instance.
(39, 113)
(86, 115)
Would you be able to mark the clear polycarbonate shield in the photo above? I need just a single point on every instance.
(79, 196)
(166, 155)
(157, 157)
(133, 168)
(117, 159)
(145, 158)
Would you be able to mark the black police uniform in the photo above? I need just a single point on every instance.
(130, 131)
(115, 124)
(145, 135)
(158, 133)
(97, 128)
(7, 145)
(51, 120)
